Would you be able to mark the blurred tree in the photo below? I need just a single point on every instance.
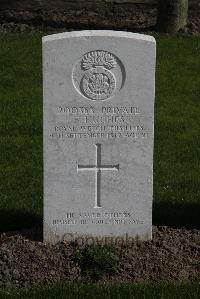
(172, 15)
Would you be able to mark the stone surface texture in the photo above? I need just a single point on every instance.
(99, 91)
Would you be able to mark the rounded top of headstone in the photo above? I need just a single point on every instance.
(100, 33)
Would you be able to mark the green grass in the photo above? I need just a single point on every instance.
(20, 130)
(115, 291)
(177, 131)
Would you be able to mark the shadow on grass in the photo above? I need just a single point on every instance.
(18, 222)
(172, 215)
(177, 215)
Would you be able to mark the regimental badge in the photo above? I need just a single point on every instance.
(98, 75)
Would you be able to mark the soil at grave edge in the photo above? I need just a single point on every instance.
(120, 17)
(172, 255)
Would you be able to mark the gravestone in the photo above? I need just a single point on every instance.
(99, 91)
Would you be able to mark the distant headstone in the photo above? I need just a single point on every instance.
(98, 134)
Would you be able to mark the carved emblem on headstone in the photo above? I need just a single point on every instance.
(98, 82)
(98, 75)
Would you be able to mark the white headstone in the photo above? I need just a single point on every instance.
(99, 91)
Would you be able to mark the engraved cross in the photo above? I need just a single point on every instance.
(97, 168)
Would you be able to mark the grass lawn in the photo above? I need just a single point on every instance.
(177, 131)
(119, 291)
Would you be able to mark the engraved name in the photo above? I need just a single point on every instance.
(104, 122)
